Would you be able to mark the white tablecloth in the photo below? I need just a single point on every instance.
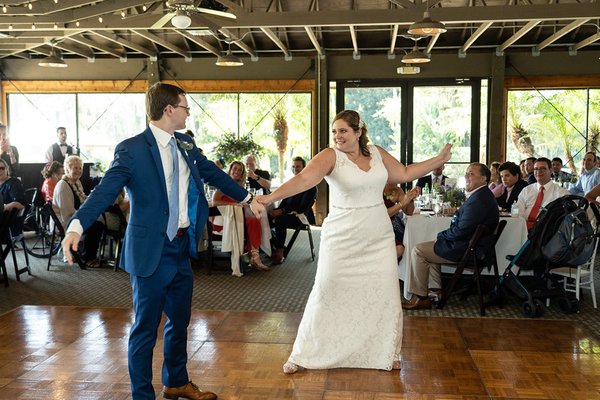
(423, 228)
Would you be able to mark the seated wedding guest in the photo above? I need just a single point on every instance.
(8, 153)
(510, 174)
(257, 178)
(238, 172)
(524, 173)
(436, 178)
(13, 196)
(59, 150)
(529, 176)
(52, 172)
(496, 185)
(113, 221)
(68, 197)
(399, 204)
(590, 176)
(533, 197)
(450, 245)
(284, 216)
(558, 175)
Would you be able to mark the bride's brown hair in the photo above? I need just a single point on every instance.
(353, 119)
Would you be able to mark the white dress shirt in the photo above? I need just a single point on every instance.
(527, 197)
(162, 139)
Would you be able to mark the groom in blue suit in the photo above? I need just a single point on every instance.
(158, 168)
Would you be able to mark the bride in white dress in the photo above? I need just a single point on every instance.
(353, 317)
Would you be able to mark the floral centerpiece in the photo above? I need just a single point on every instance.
(456, 197)
(231, 148)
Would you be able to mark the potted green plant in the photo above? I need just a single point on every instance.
(231, 148)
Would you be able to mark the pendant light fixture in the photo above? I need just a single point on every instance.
(427, 26)
(229, 60)
(181, 19)
(53, 60)
(415, 56)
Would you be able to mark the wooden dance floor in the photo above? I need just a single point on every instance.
(81, 353)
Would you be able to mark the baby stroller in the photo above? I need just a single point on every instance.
(561, 235)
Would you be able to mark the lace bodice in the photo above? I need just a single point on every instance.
(351, 187)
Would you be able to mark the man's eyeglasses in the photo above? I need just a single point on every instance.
(187, 109)
(541, 169)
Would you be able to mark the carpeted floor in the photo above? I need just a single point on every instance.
(284, 288)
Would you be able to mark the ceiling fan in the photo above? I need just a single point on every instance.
(180, 10)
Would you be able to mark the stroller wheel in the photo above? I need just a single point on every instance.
(532, 309)
(568, 305)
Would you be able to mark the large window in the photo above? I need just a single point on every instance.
(553, 123)
(413, 120)
(442, 114)
(380, 107)
(96, 122)
(254, 114)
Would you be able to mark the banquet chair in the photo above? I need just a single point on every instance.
(303, 226)
(116, 237)
(5, 221)
(58, 232)
(476, 262)
(14, 238)
(580, 277)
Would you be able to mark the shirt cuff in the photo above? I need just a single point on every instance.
(75, 226)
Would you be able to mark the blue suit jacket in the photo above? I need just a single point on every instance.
(137, 167)
(480, 208)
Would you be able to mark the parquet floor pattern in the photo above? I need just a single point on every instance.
(81, 353)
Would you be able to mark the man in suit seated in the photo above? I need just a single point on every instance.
(285, 217)
(558, 175)
(427, 257)
(436, 178)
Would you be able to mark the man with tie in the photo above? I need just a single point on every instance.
(535, 196)
(436, 179)
(60, 150)
(159, 168)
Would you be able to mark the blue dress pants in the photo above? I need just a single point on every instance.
(168, 290)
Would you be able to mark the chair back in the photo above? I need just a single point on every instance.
(47, 208)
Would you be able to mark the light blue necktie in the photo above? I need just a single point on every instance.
(173, 223)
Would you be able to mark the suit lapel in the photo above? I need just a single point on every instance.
(156, 156)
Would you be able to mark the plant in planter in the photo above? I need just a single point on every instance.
(231, 148)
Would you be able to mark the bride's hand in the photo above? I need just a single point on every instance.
(446, 152)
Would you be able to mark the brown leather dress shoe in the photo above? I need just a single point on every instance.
(417, 303)
(277, 257)
(189, 391)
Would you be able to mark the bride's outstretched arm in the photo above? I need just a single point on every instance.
(400, 173)
(314, 172)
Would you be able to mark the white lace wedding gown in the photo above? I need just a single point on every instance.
(353, 317)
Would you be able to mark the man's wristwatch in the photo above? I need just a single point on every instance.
(249, 201)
